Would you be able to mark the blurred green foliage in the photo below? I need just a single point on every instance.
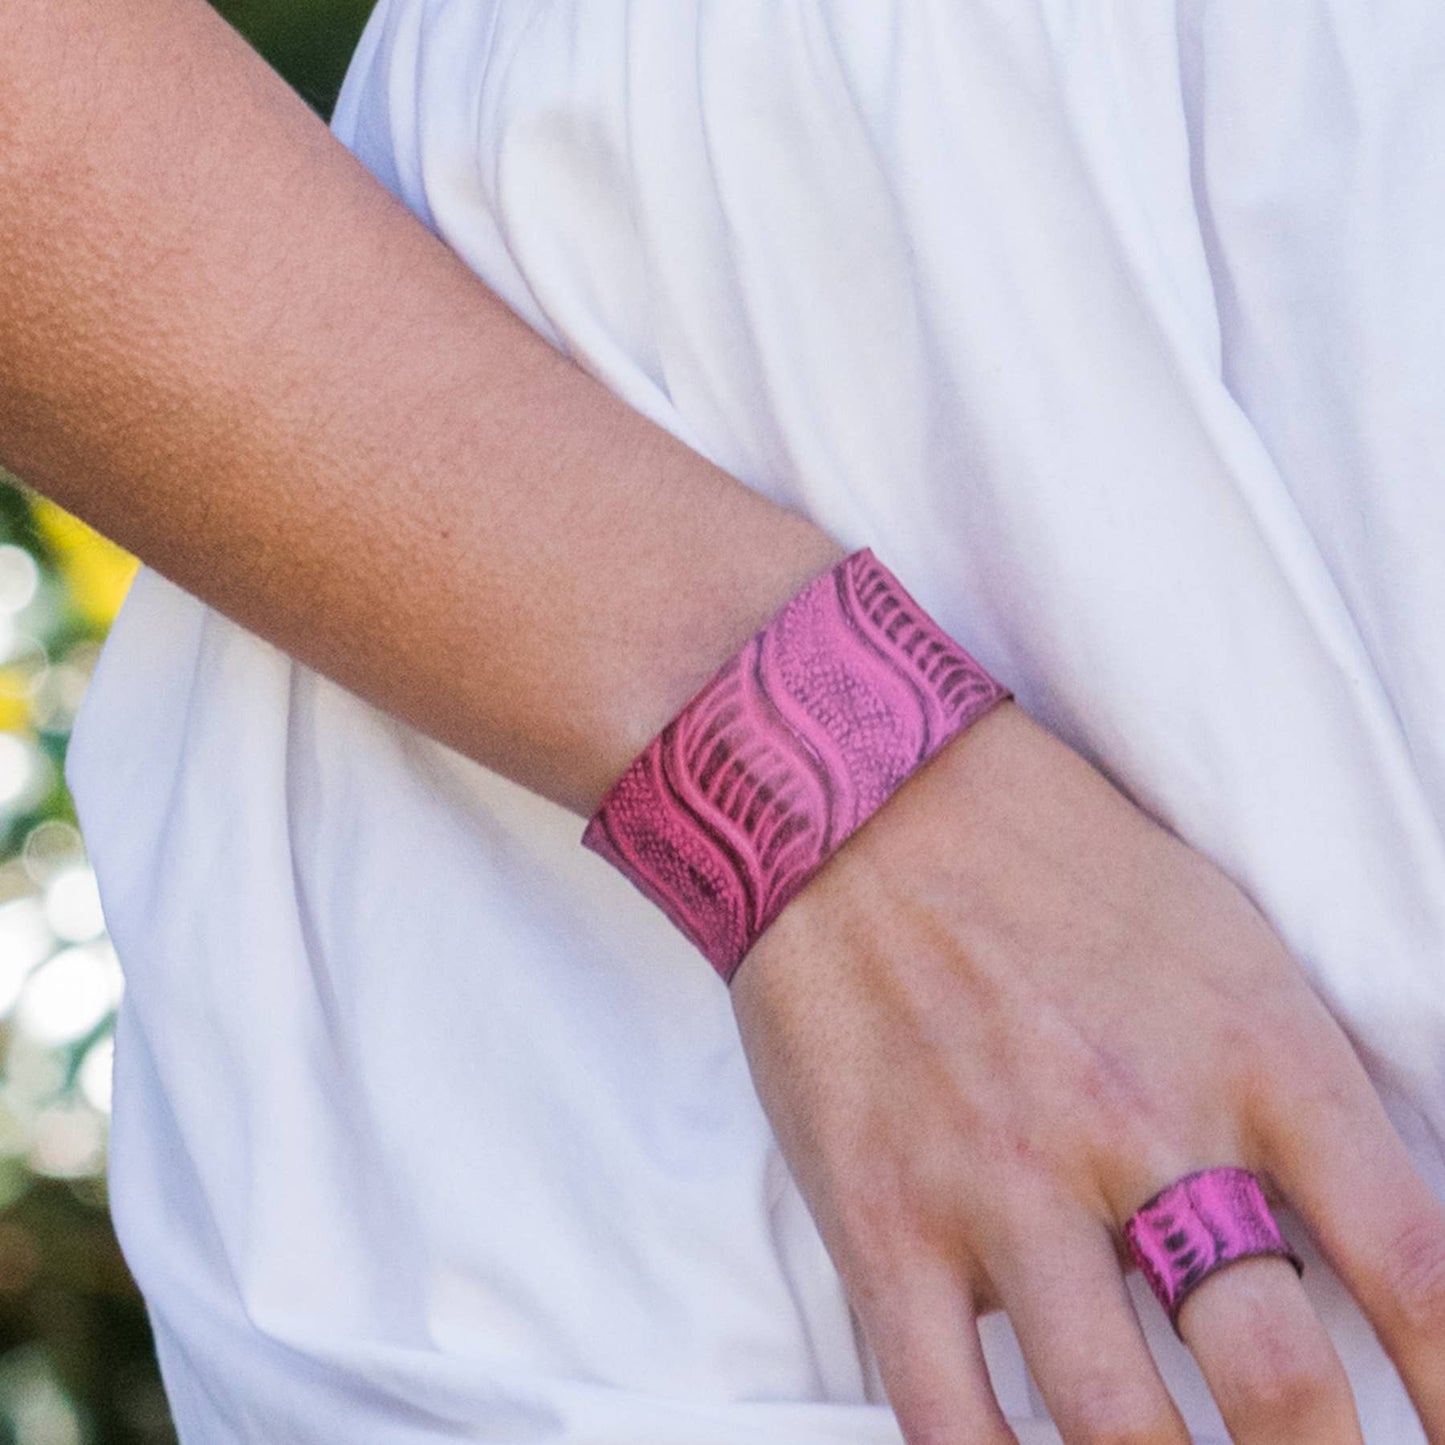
(77, 1364)
(308, 41)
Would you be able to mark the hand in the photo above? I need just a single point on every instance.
(1003, 1015)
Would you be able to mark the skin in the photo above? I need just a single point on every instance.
(1008, 1010)
(1050, 1006)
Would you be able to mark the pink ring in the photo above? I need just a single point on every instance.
(1200, 1224)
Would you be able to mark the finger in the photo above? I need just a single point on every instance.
(1064, 1293)
(921, 1324)
(1267, 1359)
(1338, 1159)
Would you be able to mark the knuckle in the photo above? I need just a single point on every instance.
(1287, 1067)
(937, 1426)
(1414, 1278)
(1111, 1411)
(871, 1213)
(1252, 1035)
(1284, 1379)
(874, 1204)
(928, 1424)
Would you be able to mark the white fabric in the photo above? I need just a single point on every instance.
(1116, 330)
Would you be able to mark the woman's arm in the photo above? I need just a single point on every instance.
(226, 346)
(1008, 1009)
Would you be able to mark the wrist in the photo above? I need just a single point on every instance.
(697, 638)
(785, 752)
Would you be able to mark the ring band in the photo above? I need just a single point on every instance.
(1198, 1225)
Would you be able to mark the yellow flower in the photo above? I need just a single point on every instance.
(97, 572)
(14, 700)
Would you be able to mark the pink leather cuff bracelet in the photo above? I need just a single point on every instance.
(793, 744)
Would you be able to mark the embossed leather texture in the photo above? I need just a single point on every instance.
(790, 747)
(1200, 1224)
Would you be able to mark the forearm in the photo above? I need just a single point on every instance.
(223, 344)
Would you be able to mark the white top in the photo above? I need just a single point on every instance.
(1116, 331)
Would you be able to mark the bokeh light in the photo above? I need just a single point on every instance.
(72, 904)
(60, 983)
(26, 939)
(69, 994)
(19, 578)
